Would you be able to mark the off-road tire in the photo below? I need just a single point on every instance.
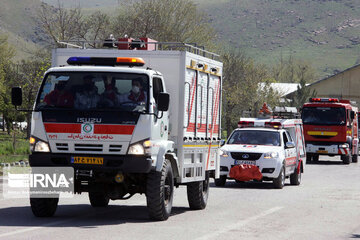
(220, 182)
(198, 193)
(279, 182)
(355, 158)
(160, 192)
(295, 178)
(44, 207)
(346, 159)
(98, 199)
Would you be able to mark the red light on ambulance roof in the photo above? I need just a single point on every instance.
(273, 124)
(324, 100)
(242, 124)
(106, 61)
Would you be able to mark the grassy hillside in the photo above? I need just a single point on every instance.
(325, 33)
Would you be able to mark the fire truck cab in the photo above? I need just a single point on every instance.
(331, 128)
(275, 146)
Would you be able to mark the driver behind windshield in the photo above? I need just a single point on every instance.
(136, 94)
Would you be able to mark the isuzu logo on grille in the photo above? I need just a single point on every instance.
(88, 120)
(245, 156)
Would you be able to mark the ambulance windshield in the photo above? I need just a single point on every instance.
(94, 91)
(255, 137)
(324, 115)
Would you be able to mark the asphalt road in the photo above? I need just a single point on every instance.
(325, 206)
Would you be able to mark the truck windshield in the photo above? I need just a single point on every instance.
(255, 137)
(94, 91)
(323, 116)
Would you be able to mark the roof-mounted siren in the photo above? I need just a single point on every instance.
(324, 100)
(110, 61)
(110, 42)
(147, 44)
(244, 124)
(273, 125)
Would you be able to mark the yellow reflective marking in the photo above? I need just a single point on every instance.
(322, 133)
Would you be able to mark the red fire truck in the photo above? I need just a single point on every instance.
(331, 128)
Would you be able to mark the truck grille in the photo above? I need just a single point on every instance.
(62, 146)
(89, 147)
(243, 155)
(115, 148)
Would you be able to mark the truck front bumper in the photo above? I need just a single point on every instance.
(123, 163)
(334, 149)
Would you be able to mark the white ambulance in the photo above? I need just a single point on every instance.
(275, 146)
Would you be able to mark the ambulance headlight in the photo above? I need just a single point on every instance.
(344, 145)
(269, 155)
(223, 153)
(136, 149)
(41, 146)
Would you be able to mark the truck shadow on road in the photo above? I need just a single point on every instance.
(325, 163)
(249, 185)
(83, 216)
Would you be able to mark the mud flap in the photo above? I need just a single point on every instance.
(245, 172)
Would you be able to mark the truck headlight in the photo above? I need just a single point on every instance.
(41, 146)
(344, 145)
(271, 155)
(136, 149)
(224, 153)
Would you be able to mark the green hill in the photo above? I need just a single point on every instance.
(326, 33)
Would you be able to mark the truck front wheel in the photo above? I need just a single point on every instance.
(355, 158)
(44, 207)
(220, 182)
(160, 192)
(98, 199)
(295, 178)
(345, 159)
(198, 193)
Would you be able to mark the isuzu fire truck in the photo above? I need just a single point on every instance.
(331, 128)
(274, 148)
(152, 122)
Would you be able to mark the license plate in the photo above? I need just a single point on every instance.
(87, 160)
(238, 162)
(322, 151)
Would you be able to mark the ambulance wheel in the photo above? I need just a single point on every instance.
(198, 193)
(44, 207)
(220, 182)
(295, 178)
(345, 159)
(98, 199)
(315, 158)
(355, 158)
(160, 192)
(279, 182)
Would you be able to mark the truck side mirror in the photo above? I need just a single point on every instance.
(16, 96)
(352, 115)
(163, 101)
(290, 145)
(222, 142)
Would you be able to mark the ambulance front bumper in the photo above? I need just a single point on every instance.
(269, 168)
(123, 163)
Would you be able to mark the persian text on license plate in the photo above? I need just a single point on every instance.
(87, 160)
(238, 162)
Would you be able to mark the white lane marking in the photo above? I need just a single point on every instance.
(239, 224)
(29, 229)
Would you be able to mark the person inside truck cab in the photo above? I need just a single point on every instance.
(136, 94)
(110, 95)
(60, 96)
(87, 97)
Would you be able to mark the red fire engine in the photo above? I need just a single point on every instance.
(331, 128)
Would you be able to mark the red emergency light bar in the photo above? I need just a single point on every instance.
(243, 124)
(273, 124)
(324, 100)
